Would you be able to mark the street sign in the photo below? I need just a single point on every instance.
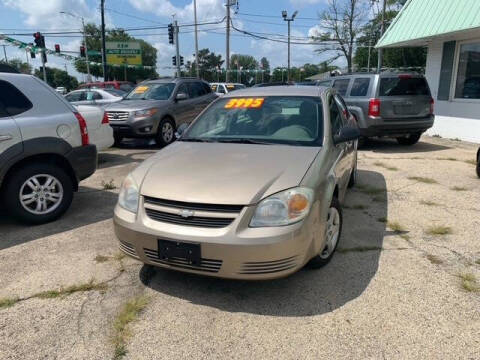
(123, 53)
(94, 52)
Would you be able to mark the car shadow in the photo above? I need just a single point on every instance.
(307, 292)
(89, 206)
(110, 159)
(388, 145)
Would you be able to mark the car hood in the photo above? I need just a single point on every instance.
(133, 105)
(219, 173)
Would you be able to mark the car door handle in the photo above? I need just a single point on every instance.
(6, 137)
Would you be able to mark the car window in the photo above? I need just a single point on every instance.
(294, 120)
(115, 92)
(126, 87)
(12, 100)
(151, 91)
(343, 109)
(206, 88)
(196, 89)
(214, 87)
(92, 95)
(341, 85)
(403, 85)
(221, 89)
(326, 83)
(335, 117)
(360, 87)
(183, 88)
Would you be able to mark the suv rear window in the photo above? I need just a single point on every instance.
(12, 100)
(341, 85)
(360, 87)
(398, 86)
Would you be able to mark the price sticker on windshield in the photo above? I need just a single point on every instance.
(140, 89)
(244, 103)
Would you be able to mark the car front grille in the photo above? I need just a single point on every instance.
(117, 115)
(128, 248)
(268, 267)
(191, 214)
(207, 265)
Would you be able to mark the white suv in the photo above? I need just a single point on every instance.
(44, 149)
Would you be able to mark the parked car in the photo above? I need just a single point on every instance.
(119, 85)
(155, 108)
(387, 104)
(251, 190)
(95, 96)
(279, 83)
(44, 149)
(99, 130)
(61, 90)
(225, 88)
(478, 163)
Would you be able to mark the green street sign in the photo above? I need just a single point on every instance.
(94, 52)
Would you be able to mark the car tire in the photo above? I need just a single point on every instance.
(59, 188)
(117, 139)
(410, 139)
(362, 141)
(478, 165)
(353, 176)
(166, 132)
(332, 234)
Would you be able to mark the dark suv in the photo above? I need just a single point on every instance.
(387, 104)
(155, 108)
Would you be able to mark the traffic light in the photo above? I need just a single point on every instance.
(82, 51)
(39, 40)
(170, 33)
(181, 60)
(57, 48)
(174, 60)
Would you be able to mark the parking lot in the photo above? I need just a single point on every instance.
(404, 283)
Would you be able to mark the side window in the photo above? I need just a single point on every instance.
(182, 88)
(214, 87)
(221, 89)
(12, 100)
(206, 88)
(97, 96)
(341, 85)
(335, 116)
(343, 109)
(324, 83)
(196, 89)
(360, 87)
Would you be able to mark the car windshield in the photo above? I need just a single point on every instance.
(151, 92)
(232, 87)
(115, 92)
(292, 120)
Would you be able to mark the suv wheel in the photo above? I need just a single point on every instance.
(332, 235)
(478, 164)
(409, 139)
(39, 193)
(166, 132)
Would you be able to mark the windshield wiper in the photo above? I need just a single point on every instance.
(244, 141)
(195, 140)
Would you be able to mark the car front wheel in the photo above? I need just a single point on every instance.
(165, 133)
(39, 193)
(410, 139)
(478, 164)
(332, 235)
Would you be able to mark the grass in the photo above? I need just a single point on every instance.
(456, 139)
(436, 136)
(69, 290)
(395, 227)
(448, 159)
(382, 219)
(428, 203)
(434, 259)
(469, 282)
(108, 185)
(129, 313)
(381, 164)
(477, 261)
(7, 302)
(458, 188)
(439, 230)
(359, 249)
(405, 237)
(370, 190)
(101, 258)
(471, 162)
(423, 179)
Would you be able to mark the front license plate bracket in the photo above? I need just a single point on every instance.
(171, 250)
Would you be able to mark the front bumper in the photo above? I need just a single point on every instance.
(236, 251)
(83, 160)
(146, 127)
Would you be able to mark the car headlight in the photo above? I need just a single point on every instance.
(144, 113)
(128, 198)
(283, 208)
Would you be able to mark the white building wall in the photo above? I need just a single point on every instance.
(454, 118)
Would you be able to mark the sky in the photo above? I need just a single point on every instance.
(261, 16)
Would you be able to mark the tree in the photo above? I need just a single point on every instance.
(243, 63)
(23, 67)
(57, 77)
(208, 63)
(342, 22)
(265, 66)
(94, 43)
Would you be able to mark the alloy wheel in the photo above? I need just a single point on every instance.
(41, 194)
(333, 231)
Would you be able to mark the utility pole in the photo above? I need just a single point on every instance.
(104, 51)
(177, 47)
(227, 48)
(196, 37)
(380, 50)
(89, 78)
(43, 66)
(288, 20)
(5, 53)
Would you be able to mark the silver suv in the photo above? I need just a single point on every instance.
(155, 108)
(387, 104)
(44, 149)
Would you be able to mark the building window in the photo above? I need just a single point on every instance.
(468, 75)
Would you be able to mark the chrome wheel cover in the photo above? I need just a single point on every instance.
(332, 233)
(41, 194)
(167, 132)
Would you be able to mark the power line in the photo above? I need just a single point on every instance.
(134, 16)
(272, 23)
(276, 17)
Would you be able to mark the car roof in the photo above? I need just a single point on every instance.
(284, 90)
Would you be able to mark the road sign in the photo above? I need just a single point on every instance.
(123, 53)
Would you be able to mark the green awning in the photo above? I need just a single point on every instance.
(421, 20)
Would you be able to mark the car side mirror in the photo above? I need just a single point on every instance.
(347, 133)
(181, 96)
(180, 130)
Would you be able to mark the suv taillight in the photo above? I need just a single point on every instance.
(83, 128)
(432, 105)
(374, 107)
(105, 118)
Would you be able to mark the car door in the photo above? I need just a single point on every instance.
(340, 150)
(198, 94)
(184, 110)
